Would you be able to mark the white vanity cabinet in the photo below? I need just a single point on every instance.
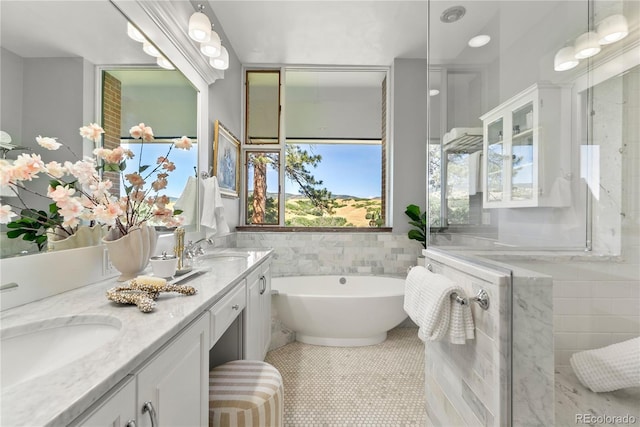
(117, 409)
(171, 388)
(257, 325)
(526, 150)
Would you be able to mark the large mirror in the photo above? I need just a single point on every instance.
(52, 84)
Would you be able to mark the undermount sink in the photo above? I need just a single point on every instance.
(226, 256)
(31, 350)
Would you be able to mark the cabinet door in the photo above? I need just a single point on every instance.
(522, 185)
(116, 410)
(175, 383)
(265, 312)
(495, 161)
(252, 329)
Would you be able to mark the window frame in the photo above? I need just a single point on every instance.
(387, 207)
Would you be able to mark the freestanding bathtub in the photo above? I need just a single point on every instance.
(339, 311)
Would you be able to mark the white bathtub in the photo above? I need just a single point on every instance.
(324, 311)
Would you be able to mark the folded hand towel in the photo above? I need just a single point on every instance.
(428, 302)
(187, 202)
(475, 173)
(212, 207)
(609, 368)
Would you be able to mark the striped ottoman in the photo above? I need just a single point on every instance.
(245, 393)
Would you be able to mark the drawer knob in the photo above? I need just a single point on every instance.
(235, 307)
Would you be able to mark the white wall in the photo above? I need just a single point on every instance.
(53, 106)
(409, 151)
(11, 99)
(225, 98)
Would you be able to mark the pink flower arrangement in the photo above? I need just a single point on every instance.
(80, 194)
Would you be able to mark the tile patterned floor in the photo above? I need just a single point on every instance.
(381, 385)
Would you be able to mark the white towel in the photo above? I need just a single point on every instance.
(475, 173)
(609, 368)
(427, 300)
(212, 208)
(187, 202)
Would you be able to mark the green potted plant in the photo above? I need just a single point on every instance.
(419, 221)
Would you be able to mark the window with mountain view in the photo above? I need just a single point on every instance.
(328, 168)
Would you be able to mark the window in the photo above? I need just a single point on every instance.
(328, 169)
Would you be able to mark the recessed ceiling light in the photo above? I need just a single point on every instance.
(434, 92)
(479, 41)
(452, 14)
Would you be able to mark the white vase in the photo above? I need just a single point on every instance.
(130, 254)
(83, 237)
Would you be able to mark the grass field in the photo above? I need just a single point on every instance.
(349, 212)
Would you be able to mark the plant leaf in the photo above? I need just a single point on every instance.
(142, 168)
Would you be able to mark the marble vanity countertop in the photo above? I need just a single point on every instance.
(57, 398)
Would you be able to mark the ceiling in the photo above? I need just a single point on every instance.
(324, 32)
(92, 29)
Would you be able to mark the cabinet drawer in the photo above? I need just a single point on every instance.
(224, 312)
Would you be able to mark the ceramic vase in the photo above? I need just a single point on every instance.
(83, 237)
(129, 254)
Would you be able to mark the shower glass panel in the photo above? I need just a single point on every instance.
(556, 193)
(509, 166)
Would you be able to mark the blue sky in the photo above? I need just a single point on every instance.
(349, 169)
(184, 161)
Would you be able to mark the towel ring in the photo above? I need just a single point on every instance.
(482, 298)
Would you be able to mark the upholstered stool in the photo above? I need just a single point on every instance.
(245, 393)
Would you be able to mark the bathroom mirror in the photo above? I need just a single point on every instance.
(165, 100)
(50, 81)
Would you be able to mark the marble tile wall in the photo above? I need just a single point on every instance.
(596, 303)
(307, 253)
(470, 384)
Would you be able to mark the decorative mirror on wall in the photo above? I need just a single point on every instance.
(226, 160)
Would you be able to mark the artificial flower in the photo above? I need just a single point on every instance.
(6, 214)
(55, 169)
(48, 143)
(141, 131)
(92, 131)
(79, 193)
(183, 143)
(26, 167)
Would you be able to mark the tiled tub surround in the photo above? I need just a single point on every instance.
(60, 396)
(470, 384)
(313, 253)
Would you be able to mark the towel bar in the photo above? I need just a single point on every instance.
(482, 298)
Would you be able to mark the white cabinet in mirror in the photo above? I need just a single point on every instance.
(49, 79)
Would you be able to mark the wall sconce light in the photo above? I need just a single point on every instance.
(434, 92)
(222, 61)
(199, 26)
(164, 63)
(612, 29)
(134, 33)
(587, 45)
(213, 47)
(565, 59)
(150, 49)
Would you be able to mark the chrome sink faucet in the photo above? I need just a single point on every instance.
(194, 249)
